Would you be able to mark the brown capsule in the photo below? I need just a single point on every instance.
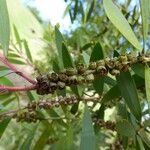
(102, 70)
(71, 71)
(72, 80)
(101, 63)
(81, 69)
(89, 78)
(52, 86)
(115, 72)
(63, 77)
(110, 63)
(61, 85)
(52, 77)
(118, 65)
(92, 65)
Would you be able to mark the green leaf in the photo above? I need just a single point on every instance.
(4, 73)
(139, 143)
(28, 53)
(119, 21)
(124, 128)
(67, 61)
(17, 36)
(90, 10)
(147, 84)
(138, 69)
(4, 26)
(129, 93)
(59, 40)
(97, 54)
(113, 93)
(144, 4)
(88, 141)
(144, 136)
(3, 126)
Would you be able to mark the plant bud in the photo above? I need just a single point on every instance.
(81, 69)
(89, 78)
(61, 85)
(100, 63)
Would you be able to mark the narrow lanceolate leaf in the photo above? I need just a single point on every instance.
(88, 141)
(28, 53)
(124, 128)
(59, 40)
(145, 17)
(3, 126)
(4, 26)
(96, 55)
(90, 10)
(129, 93)
(147, 84)
(67, 61)
(144, 136)
(119, 21)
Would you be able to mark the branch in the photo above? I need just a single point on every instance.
(16, 88)
(14, 69)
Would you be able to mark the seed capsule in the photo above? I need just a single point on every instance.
(100, 63)
(115, 72)
(52, 77)
(102, 70)
(89, 78)
(81, 69)
(61, 85)
(71, 71)
(92, 65)
(62, 77)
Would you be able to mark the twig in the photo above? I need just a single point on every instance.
(14, 69)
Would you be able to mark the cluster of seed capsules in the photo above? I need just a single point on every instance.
(50, 82)
(104, 124)
(30, 114)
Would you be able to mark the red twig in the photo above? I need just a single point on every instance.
(16, 88)
(14, 69)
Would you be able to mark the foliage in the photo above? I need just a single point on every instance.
(87, 89)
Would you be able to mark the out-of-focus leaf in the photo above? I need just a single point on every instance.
(27, 25)
(88, 141)
(144, 4)
(86, 46)
(139, 143)
(125, 128)
(147, 84)
(17, 36)
(16, 61)
(119, 21)
(41, 143)
(59, 40)
(28, 53)
(113, 93)
(4, 73)
(122, 111)
(109, 80)
(75, 9)
(145, 137)
(28, 140)
(31, 95)
(138, 69)
(90, 10)
(128, 91)
(4, 26)
(97, 54)
(3, 126)
(82, 12)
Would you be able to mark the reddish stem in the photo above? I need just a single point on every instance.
(13, 68)
(16, 88)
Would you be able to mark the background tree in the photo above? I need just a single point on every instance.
(89, 89)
